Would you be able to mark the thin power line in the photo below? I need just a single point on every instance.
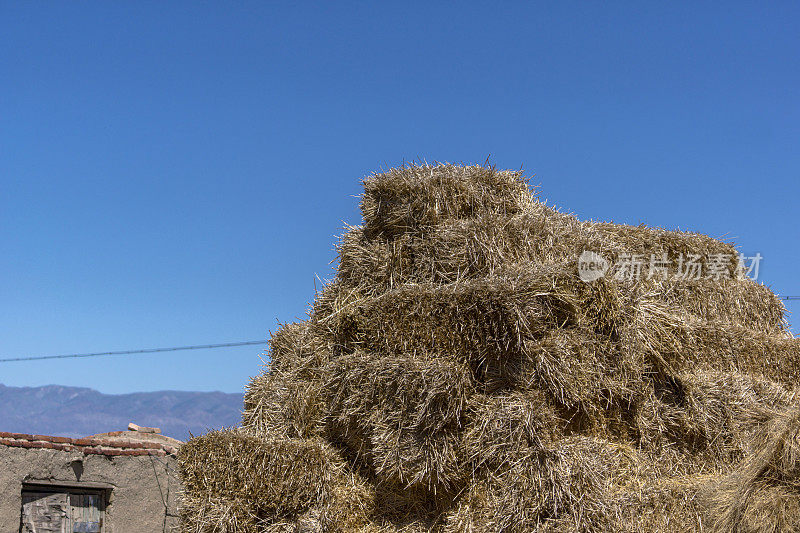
(173, 348)
(128, 352)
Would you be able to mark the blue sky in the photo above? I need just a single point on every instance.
(175, 173)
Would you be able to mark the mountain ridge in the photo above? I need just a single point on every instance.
(80, 411)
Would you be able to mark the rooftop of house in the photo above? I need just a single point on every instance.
(137, 440)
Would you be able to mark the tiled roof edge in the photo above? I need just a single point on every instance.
(88, 446)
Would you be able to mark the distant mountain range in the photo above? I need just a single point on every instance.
(78, 412)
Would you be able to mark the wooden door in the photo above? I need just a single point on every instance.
(61, 512)
(86, 513)
(45, 512)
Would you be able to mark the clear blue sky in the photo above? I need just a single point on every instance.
(174, 173)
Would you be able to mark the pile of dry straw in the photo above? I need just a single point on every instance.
(458, 376)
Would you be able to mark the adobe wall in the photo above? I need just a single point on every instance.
(142, 478)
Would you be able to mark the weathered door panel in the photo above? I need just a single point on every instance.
(86, 513)
(45, 513)
(61, 512)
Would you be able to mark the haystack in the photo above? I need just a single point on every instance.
(458, 375)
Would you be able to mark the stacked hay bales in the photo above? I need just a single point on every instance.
(458, 376)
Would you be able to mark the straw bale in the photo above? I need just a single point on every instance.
(460, 249)
(283, 403)
(673, 342)
(657, 504)
(499, 426)
(708, 420)
(457, 375)
(413, 196)
(644, 240)
(763, 494)
(275, 477)
(401, 415)
(203, 512)
(479, 322)
(734, 302)
(286, 399)
(772, 356)
(580, 368)
(572, 481)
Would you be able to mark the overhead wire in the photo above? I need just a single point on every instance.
(138, 351)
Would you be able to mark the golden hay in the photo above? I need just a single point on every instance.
(500, 425)
(708, 418)
(286, 400)
(203, 512)
(457, 375)
(763, 494)
(487, 244)
(275, 477)
(479, 323)
(400, 415)
(532, 488)
(412, 197)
